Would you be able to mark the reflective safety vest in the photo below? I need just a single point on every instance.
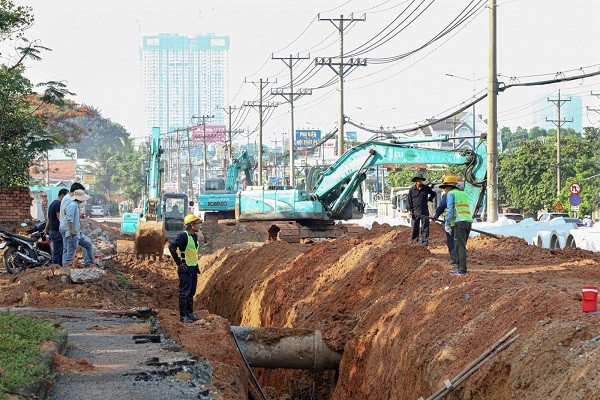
(190, 255)
(461, 205)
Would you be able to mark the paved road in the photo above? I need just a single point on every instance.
(122, 368)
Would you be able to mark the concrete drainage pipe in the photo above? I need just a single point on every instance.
(542, 239)
(285, 348)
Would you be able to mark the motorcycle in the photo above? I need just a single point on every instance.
(22, 252)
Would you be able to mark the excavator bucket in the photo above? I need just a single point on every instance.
(149, 239)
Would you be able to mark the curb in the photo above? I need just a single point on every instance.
(39, 389)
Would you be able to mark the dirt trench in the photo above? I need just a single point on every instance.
(403, 323)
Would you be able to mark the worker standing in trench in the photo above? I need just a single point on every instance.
(184, 250)
(458, 221)
(418, 197)
(441, 210)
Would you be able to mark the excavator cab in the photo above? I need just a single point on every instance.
(174, 209)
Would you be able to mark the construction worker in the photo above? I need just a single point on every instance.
(418, 197)
(458, 221)
(441, 210)
(184, 250)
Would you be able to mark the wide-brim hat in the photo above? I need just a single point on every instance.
(80, 195)
(452, 185)
(417, 177)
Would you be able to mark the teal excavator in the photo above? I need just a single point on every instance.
(217, 200)
(314, 212)
(162, 216)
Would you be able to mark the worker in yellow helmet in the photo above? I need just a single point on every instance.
(441, 211)
(458, 221)
(184, 250)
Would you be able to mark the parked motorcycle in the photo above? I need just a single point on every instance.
(22, 252)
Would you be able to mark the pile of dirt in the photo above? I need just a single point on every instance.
(403, 323)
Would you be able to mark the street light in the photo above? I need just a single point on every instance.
(471, 80)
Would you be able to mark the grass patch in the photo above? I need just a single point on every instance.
(20, 354)
(123, 281)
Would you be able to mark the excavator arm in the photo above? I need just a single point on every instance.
(330, 198)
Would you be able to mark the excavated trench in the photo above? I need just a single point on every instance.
(405, 326)
(387, 310)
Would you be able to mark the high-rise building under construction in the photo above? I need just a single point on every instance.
(183, 77)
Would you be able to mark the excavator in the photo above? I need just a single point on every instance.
(301, 215)
(217, 201)
(162, 217)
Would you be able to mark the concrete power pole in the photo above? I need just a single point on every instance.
(261, 84)
(229, 110)
(203, 119)
(290, 97)
(343, 69)
(178, 161)
(492, 137)
(558, 122)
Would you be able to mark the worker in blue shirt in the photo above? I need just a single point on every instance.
(458, 221)
(441, 210)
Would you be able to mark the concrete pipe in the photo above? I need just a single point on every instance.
(285, 348)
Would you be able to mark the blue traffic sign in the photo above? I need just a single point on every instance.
(575, 200)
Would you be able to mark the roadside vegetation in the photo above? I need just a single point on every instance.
(20, 351)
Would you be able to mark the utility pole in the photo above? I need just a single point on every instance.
(558, 122)
(290, 97)
(492, 137)
(229, 110)
(261, 84)
(203, 118)
(343, 68)
(453, 122)
(178, 161)
(189, 157)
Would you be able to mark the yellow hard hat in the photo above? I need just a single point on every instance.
(449, 180)
(189, 219)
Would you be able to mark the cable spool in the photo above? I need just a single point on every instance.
(571, 242)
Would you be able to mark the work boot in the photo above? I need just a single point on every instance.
(190, 309)
(183, 317)
(457, 272)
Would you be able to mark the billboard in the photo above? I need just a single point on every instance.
(307, 138)
(214, 134)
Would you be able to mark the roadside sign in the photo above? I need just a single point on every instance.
(575, 188)
(574, 199)
(574, 208)
(558, 206)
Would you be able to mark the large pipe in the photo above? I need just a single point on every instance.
(285, 348)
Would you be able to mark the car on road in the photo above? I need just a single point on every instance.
(512, 216)
(578, 222)
(548, 216)
(97, 211)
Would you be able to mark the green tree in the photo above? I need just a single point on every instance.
(129, 169)
(30, 122)
(527, 176)
(100, 132)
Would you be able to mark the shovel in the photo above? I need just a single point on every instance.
(473, 229)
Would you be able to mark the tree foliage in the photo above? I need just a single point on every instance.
(31, 120)
(100, 132)
(527, 176)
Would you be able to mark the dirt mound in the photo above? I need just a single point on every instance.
(402, 322)
(405, 325)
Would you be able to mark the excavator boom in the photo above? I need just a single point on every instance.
(331, 197)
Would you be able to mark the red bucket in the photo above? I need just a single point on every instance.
(589, 298)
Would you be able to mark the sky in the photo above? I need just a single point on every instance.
(96, 43)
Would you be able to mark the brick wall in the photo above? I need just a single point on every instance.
(15, 204)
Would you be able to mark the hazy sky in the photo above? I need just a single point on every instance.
(96, 46)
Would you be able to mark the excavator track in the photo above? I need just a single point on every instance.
(286, 232)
